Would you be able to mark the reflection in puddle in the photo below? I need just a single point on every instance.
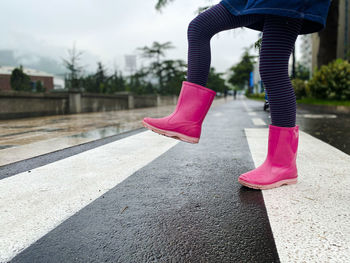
(19, 127)
(53, 129)
(318, 116)
(59, 120)
(6, 146)
(100, 133)
(31, 131)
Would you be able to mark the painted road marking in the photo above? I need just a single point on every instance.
(252, 113)
(218, 114)
(26, 151)
(310, 220)
(258, 121)
(46, 158)
(246, 106)
(318, 116)
(32, 204)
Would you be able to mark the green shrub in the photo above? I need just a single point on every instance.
(332, 81)
(301, 88)
(256, 95)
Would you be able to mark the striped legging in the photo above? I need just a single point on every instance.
(279, 36)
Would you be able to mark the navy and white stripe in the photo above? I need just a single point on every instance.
(201, 30)
(279, 37)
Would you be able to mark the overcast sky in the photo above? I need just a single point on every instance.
(107, 30)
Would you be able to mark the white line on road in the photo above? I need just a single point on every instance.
(246, 106)
(318, 116)
(32, 204)
(310, 220)
(218, 114)
(258, 121)
(252, 113)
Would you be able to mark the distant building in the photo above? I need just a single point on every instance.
(257, 83)
(306, 51)
(46, 79)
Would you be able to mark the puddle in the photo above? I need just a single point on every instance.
(6, 146)
(318, 116)
(57, 120)
(100, 133)
(19, 127)
(53, 130)
(32, 131)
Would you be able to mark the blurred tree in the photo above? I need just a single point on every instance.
(240, 73)
(89, 83)
(72, 65)
(95, 83)
(216, 82)
(101, 79)
(301, 72)
(19, 80)
(116, 82)
(257, 44)
(162, 3)
(39, 86)
(173, 72)
(138, 83)
(155, 52)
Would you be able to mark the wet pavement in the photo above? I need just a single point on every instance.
(330, 127)
(142, 197)
(25, 138)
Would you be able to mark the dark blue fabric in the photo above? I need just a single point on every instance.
(277, 44)
(279, 35)
(314, 12)
(200, 31)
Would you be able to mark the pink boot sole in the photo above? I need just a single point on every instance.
(268, 186)
(171, 134)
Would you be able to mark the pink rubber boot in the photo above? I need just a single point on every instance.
(279, 167)
(185, 122)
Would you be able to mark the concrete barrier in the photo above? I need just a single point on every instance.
(100, 102)
(15, 104)
(24, 104)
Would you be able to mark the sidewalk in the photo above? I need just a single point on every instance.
(142, 197)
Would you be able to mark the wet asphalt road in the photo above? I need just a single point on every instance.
(185, 206)
(334, 131)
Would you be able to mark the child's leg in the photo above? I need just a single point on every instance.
(279, 36)
(201, 30)
(185, 123)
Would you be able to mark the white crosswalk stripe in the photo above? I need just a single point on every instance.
(258, 121)
(310, 220)
(31, 204)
